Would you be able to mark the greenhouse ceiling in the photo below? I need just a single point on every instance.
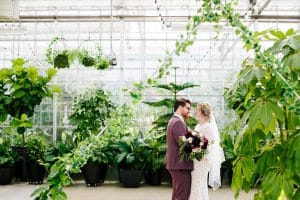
(148, 10)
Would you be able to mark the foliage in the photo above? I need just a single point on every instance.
(132, 152)
(90, 111)
(161, 122)
(65, 57)
(22, 88)
(71, 161)
(36, 145)
(7, 155)
(60, 58)
(157, 152)
(59, 175)
(99, 61)
(268, 146)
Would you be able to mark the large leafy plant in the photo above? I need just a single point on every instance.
(161, 122)
(266, 98)
(90, 111)
(132, 152)
(21, 89)
(36, 144)
(72, 161)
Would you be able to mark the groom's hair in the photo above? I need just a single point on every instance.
(181, 102)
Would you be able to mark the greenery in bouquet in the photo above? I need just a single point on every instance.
(192, 145)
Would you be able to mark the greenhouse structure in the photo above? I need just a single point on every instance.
(150, 99)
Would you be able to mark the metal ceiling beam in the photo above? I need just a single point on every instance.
(94, 18)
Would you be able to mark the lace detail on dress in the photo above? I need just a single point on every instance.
(199, 189)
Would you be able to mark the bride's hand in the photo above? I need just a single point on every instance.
(198, 149)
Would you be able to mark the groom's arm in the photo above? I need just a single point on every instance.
(179, 129)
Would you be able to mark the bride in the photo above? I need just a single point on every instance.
(211, 163)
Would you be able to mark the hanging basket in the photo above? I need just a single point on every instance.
(90, 55)
(59, 55)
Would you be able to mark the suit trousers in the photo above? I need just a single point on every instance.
(181, 184)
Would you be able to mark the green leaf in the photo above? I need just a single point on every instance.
(279, 34)
(19, 93)
(18, 62)
(297, 195)
(51, 72)
(169, 103)
(56, 89)
(290, 32)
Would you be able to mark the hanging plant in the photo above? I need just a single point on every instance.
(66, 57)
(99, 61)
(85, 59)
(60, 58)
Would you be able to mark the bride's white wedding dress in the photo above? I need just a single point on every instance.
(211, 164)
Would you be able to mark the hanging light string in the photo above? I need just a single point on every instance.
(200, 60)
(163, 21)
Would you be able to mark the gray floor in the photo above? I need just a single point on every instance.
(113, 191)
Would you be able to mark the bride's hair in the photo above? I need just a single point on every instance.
(205, 110)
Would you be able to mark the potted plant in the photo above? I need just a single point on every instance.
(36, 146)
(94, 171)
(7, 159)
(131, 155)
(156, 159)
(22, 88)
(90, 111)
(228, 137)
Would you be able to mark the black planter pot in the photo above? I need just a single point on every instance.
(36, 172)
(153, 178)
(21, 169)
(112, 173)
(103, 171)
(6, 174)
(131, 177)
(94, 173)
(226, 175)
(166, 176)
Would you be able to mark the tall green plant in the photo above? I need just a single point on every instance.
(266, 97)
(21, 89)
(161, 122)
(90, 111)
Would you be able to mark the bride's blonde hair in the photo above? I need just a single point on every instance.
(205, 110)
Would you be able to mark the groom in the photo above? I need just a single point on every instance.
(180, 170)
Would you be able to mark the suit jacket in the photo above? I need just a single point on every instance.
(176, 128)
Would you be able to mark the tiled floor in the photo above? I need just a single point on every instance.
(113, 191)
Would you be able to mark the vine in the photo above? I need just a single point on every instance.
(258, 142)
(212, 11)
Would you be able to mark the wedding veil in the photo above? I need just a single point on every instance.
(216, 157)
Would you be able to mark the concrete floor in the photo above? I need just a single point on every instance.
(113, 191)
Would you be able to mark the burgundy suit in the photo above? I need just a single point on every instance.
(180, 170)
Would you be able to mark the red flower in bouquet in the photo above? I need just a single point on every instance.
(192, 145)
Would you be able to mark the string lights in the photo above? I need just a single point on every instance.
(163, 21)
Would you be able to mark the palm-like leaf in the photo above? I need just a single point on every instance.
(164, 102)
(174, 88)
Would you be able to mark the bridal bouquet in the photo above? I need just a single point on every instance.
(192, 145)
